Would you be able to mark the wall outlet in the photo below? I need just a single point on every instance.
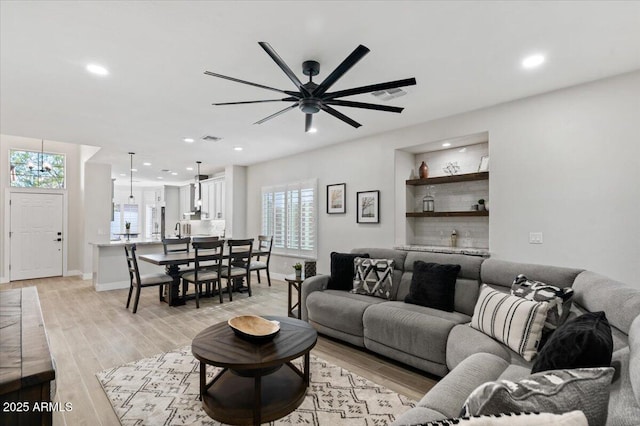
(535, 237)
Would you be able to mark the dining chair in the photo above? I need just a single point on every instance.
(239, 260)
(265, 243)
(208, 267)
(178, 245)
(139, 281)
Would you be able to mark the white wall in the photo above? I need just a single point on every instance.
(566, 163)
(97, 208)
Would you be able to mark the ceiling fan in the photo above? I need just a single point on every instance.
(311, 97)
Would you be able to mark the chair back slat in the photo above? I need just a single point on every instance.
(208, 254)
(176, 245)
(265, 243)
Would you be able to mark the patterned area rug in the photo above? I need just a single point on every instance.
(163, 390)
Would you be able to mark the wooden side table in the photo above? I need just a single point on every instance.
(294, 284)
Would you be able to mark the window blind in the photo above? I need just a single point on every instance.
(289, 213)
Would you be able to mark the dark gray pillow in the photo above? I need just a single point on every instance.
(582, 342)
(342, 270)
(557, 391)
(433, 285)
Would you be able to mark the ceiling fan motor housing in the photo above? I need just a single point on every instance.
(310, 105)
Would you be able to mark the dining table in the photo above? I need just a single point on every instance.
(172, 263)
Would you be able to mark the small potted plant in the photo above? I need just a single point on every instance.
(298, 268)
(481, 205)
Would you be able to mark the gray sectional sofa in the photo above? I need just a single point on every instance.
(442, 343)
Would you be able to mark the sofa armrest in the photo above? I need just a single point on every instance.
(315, 283)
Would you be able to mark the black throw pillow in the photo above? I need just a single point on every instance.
(433, 285)
(342, 270)
(583, 342)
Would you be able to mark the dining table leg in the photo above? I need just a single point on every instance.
(174, 298)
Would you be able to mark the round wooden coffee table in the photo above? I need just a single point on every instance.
(252, 387)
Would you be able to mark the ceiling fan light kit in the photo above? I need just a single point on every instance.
(312, 98)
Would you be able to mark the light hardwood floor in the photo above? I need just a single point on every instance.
(90, 331)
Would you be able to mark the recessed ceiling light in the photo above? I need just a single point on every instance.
(238, 148)
(533, 61)
(446, 144)
(462, 150)
(134, 170)
(174, 173)
(188, 140)
(189, 168)
(97, 69)
(313, 130)
(160, 177)
(146, 164)
(123, 174)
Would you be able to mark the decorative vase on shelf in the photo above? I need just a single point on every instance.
(423, 171)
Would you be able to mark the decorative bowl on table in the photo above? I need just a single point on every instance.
(254, 328)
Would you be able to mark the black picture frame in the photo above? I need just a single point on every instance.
(368, 210)
(337, 198)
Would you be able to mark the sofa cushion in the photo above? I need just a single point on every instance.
(514, 321)
(595, 292)
(373, 277)
(582, 342)
(450, 393)
(459, 348)
(559, 299)
(342, 270)
(339, 310)
(408, 328)
(624, 408)
(467, 284)
(433, 285)
(572, 418)
(500, 273)
(557, 391)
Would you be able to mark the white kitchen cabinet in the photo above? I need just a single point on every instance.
(213, 198)
(186, 198)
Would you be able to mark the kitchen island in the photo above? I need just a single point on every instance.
(110, 265)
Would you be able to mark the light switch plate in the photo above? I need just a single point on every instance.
(535, 237)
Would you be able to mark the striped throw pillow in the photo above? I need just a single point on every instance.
(512, 320)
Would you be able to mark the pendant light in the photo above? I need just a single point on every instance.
(132, 199)
(42, 166)
(199, 200)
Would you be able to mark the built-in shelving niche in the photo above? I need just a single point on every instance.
(454, 195)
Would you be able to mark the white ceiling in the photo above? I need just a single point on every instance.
(464, 55)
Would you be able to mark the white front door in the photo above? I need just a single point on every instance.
(36, 235)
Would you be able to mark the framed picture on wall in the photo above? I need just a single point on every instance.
(484, 164)
(368, 203)
(336, 198)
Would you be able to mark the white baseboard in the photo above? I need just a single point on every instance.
(275, 275)
(87, 276)
(4, 280)
(116, 285)
(73, 273)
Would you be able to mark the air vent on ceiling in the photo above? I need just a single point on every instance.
(210, 138)
(386, 95)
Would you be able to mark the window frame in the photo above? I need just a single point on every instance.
(36, 176)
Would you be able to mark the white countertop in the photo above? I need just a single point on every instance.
(471, 251)
(122, 242)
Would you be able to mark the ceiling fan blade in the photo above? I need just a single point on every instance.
(237, 80)
(340, 116)
(291, 99)
(308, 119)
(283, 66)
(371, 88)
(363, 105)
(341, 69)
(282, 111)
